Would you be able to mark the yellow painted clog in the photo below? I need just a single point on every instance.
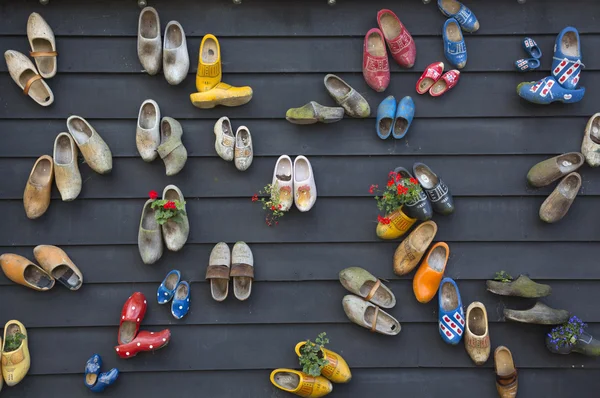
(397, 225)
(337, 370)
(16, 362)
(222, 94)
(300, 383)
(209, 64)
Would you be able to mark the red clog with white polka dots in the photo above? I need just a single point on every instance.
(145, 341)
(131, 316)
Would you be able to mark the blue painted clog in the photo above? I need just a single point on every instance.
(566, 64)
(548, 90)
(524, 65)
(455, 48)
(166, 290)
(181, 300)
(531, 48)
(451, 315)
(385, 117)
(96, 381)
(404, 117)
(465, 17)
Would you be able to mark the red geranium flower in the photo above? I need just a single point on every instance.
(279, 206)
(372, 188)
(153, 195)
(398, 177)
(273, 208)
(390, 183)
(402, 190)
(383, 220)
(414, 181)
(254, 197)
(169, 206)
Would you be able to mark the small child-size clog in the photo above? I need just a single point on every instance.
(529, 64)
(399, 41)
(370, 316)
(477, 336)
(451, 316)
(144, 341)
(58, 264)
(132, 315)
(348, 98)
(66, 167)
(94, 149)
(174, 233)
(22, 271)
(242, 270)
(437, 191)
(429, 275)
(15, 362)
(336, 370)
(547, 90)
(465, 17)
(362, 283)
(176, 60)
(420, 207)
(171, 149)
(376, 69)
(149, 42)
(283, 183)
(147, 132)
(404, 117)
(244, 152)
(455, 48)
(209, 64)
(446, 82)
(217, 272)
(566, 63)
(314, 112)
(181, 300)
(43, 45)
(36, 197)
(432, 74)
(150, 242)
(224, 138)
(305, 188)
(166, 290)
(531, 48)
(300, 383)
(385, 117)
(96, 381)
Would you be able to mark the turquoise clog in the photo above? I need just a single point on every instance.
(385, 117)
(404, 116)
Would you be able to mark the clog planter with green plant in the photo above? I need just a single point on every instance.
(316, 360)
(165, 210)
(271, 203)
(571, 337)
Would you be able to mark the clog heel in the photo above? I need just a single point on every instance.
(337, 370)
(300, 383)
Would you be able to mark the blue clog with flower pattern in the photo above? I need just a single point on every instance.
(166, 290)
(96, 381)
(404, 117)
(465, 17)
(451, 315)
(455, 48)
(547, 90)
(566, 63)
(181, 300)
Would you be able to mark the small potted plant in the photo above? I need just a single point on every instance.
(571, 337)
(165, 210)
(397, 193)
(312, 357)
(271, 203)
(13, 341)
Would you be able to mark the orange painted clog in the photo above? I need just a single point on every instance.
(22, 271)
(429, 275)
(209, 64)
(337, 370)
(300, 383)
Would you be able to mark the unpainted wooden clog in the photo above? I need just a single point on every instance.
(546, 172)
(539, 314)
(36, 198)
(362, 283)
(22, 271)
(437, 191)
(300, 383)
(43, 45)
(93, 148)
(507, 381)
(566, 62)
(242, 270)
(224, 138)
(386, 112)
(455, 48)
(590, 147)
(219, 265)
(463, 15)
(175, 234)
(370, 316)
(144, 341)
(171, 149)
(375, 68)
(176, 60)
(147, 132)
(96, 381)
(477, 335)
(149, 43)
(283, 182)
(348, 98)
(222, 94)
(181, 300)
(558, 203)
(244, 152)
(399, 41)
(24, 73)
(337, 370)
(413, 247)
(520, 287)
(15, 363)
(209, 64)
(132, 314)
(314, 112)
(451, 317)
(399, 224)
(166, 290)
(429, 275)
(404, 117)
(305, 188)
(58, 264)
(66, 168)
(419, 207)
(150, 242)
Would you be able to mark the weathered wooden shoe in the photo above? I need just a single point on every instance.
(566, 63)
(15, 363)
(181, 300)
(348, 98)
(386, 112)
(477, 335)
(585, 344)
(224, 138)
(547, 90)
(362, 283)
(171, 150)
(399, 41)
(413, 247)
(58, 264)
(149, 43)
(24, 73)
(369, 316)
(66, 169)
(546, 172)
(36, 197)
(150, 242)
(283, 181)
(176, 60)
(166, 290)
(132, 315)
(590, 147)
(244, 152)
(404, 117)
(209, 64)
(394, 225)
(144, 341)
(527, 64)
(556, 206)
(96, 381)
(446, 82)
(300, 383)
(337, 370)
(93, 148)
(218, 271)
(376, 69)
(520, 287)
(222, 94)
(314, 112)
(175, 234)
(429, 275)
(147, 132)
(22, 271)
(507, 381)
(531, 48)
(450, 314)
(455, 48)
(305, 189)
(419, 208)
(463, 15)
(43, 45)
(437, 191)
(242, 270)
(539, 314)
(432, 74)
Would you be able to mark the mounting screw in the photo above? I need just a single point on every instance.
(142, 3)
(44, 2)
(331, 2)
(237, 2)
(521, 1)
(426, 1)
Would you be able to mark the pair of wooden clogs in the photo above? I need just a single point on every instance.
(151, 51)
(434, 81)
(363, 306)
(173, 288)
(96, 381)
(224, 265)
(15, 353)
(54, 265)
(160, 137)
(297, 178)
(211, 90)
(43, 51)
(230, 147)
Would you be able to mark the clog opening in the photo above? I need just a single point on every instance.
(148, 116)
(165, 131)
(149, 25)
(504, 362)
(242, 287)
(90, 379)
(45, 65)
(148, 220)
(477, 321)
(375, 45)
(453, 32)
(437, 259)
(569, 44)
(283, 169)
(450, 6)
(384, 323)
(381, 297)
(338, 88)
(425, 85)
(400, 126)
(42, 173)
(426, 177)
(449, 297)
(36, 277)
(171, 281)
(63, 154)
(569, 162)
(226, 127)
(65, 275)
(38, 89)
(127, 332)
(172, 194)
(173, 37)
(219, 288)
(80, 130)
(385, 125)
(570, 185)
(287, 380)
(242, 138)
(439, 87)
(12, 330)
(595, 130)
(423, 237)
(301, 170)
(390, 26)
(209, 51)
(181, 292)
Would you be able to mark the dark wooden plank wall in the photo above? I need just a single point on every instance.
(481, 138)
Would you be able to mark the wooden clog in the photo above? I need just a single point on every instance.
(24, 73)
(539, 314)
(451, 317)
(36, 198)
(558, 203)
(66, 168)
(58, 264)
(590, 147)
(546, 172)
(399, 41)
(314, 112)
(43, 45)
(436, 189)
(413, 247)
(520, 287)
(218, 271)
(147, 132)
(96, 153)
(305, 188)
(477, 336)
(420, 207)
(399, 224)
(143, 342)
(404, 117)
(283, 182)
(96, 381)
(181, 300)
(176, 60)
(507, 381)
(244, 152)
(464, 16)
(348, 98)
(175, 234)
(566, 62)
(337, 370)
(22, 271)
(171, 149)
(547, 91)
(445, 83)
(362, 283)
(209, 64)
(149, 43)
(15, 363)
(386, 112)
(150, 242)
(429, 275)
(300, 383)
(224, 138)
(455, 48)
(375, 68)
(167, 288)
(370, 316)
(242, 270)
(432, 74)
(222, 94)
(132, 315)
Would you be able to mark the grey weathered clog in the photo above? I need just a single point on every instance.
(218, 270)
(546, 172)
(24, 73)
(147, 132)
(314, 112)
(176, 60)
(362, 283)
(557, 204)
(539, 314)
(242, 270)
(171, 150)
(369, 316)
(244, 152)
(93, 148)
(590, 147)
(348, 98)
(224, 138)
(520, 287)
(66, 169)
(149, 43)
(150, 242)
(175, 234)
(43, 45)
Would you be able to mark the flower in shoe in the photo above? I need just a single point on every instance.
(153, 195)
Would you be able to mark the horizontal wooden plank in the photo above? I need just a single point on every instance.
(110, 221)
(313, 18)
(119, 96)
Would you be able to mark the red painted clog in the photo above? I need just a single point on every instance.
(432, 74)
(132, 314)
(448, 80)
(401, 44)
(376, 68)
(145, 341)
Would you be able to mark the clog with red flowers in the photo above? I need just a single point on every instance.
(145, 341)
(447, 81)
(400, 42)
(432, 74)
(132, 314)
(376, 68)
